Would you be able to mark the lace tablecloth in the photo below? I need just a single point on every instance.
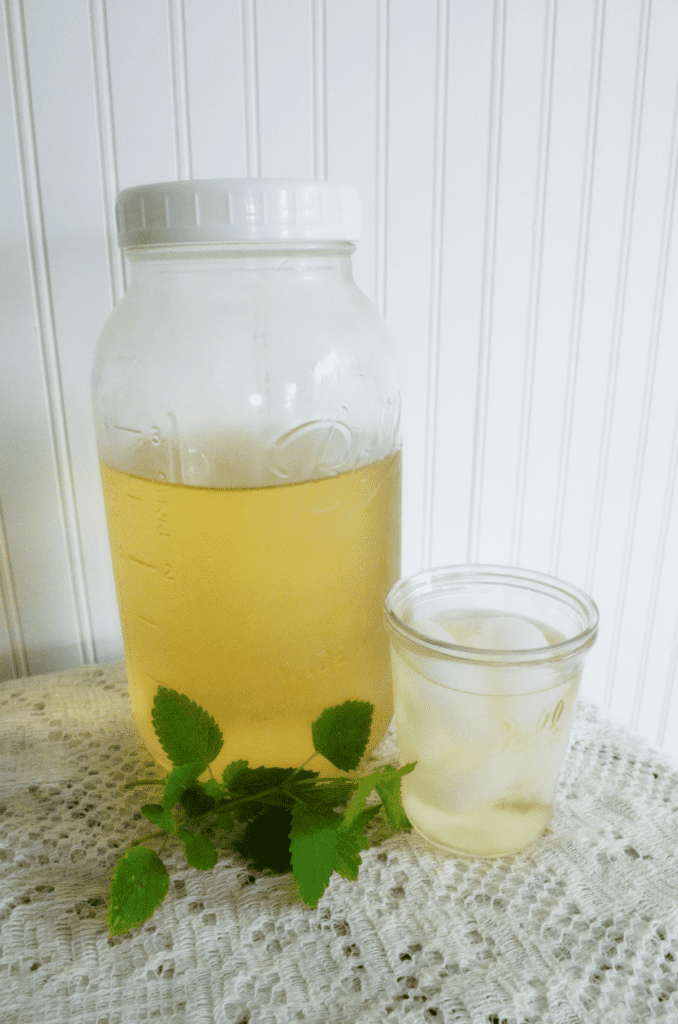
(580, 929)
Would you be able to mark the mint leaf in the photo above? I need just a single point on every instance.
(351, 841)
(347, 859)
(159, 816)
(362, 791)
(252, 781)
(266, 788)
(313, 841)
(225, 820)
(177, 781)
(341, 733)
(213, 789)
(231, 769)
(186, 731)
(332, 792)
(200, 852)
(139, 885)
(196, 802)
(266, 843)
(388, 788)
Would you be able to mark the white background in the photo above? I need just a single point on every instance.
(517, 163)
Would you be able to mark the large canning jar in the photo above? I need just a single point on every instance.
(247, 417)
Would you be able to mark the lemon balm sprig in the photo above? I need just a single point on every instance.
(286, 818)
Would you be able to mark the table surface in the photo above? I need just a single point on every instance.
(580, 928)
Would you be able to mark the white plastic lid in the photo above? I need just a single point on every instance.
(237, 210)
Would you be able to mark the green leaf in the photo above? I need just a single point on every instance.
(247, 810)
(213, 789)
(225, 820)
(159, 816)
(266, 843)
(186, 731)
(313, 841)
(351, 841)
(200, 852)
(362, 791)
(332, 794)
(347, 859)
(177, 781)
(360, 823)
(139, 885)
(196, 802)
(388, 788)
(341, 733)
(232, 769)
(263, 783)
(252, 781)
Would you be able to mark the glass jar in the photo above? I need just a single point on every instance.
(247, 417)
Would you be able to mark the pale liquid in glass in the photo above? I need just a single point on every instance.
(487, 762)
(264, 605)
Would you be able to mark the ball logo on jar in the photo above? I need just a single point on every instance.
(318, 448)
(508, 735)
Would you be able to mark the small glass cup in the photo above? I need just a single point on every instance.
(486, 666)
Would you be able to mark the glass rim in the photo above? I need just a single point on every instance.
(423, 582)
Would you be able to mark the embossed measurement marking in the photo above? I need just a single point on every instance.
(139, 561)
(147, 621)
(129, 430)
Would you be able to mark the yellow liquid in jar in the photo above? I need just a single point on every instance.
(263, 605)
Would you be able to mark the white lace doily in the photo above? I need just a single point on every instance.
(580, 929)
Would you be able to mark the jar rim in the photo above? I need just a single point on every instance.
(466, 576)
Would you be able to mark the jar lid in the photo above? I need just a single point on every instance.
(237, 210)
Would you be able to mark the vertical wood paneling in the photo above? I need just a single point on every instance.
(105, 132)
(13, 657)
(583, 237)
(488, 278)
(285, 54)
(46, 327)
(381, 202)
(143, 102)
(319, 45)
(517, 162)
(573, 66)
(351, 27)
(636, 471)
(176, 18)
(534, 289)
(436, 264)
(463, 209)
(504, 326)
(417, 68)
(216, 88)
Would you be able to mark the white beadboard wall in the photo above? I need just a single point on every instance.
(517, 164)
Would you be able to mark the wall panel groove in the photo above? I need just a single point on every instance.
(176, 23)
(319, 45)
(485, 326)
(437, 241)
(105, 130)
(251, 81)
(18, 657)
(380, 230)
